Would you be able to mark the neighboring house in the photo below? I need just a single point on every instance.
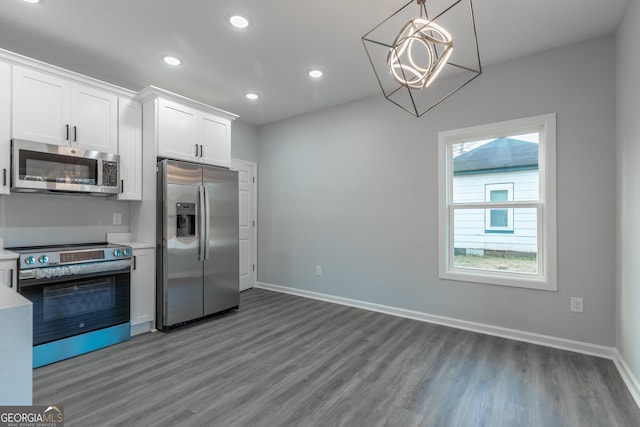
(501, 170)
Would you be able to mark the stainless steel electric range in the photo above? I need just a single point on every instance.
(80, 295)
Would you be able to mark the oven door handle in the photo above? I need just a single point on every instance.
(38, 276)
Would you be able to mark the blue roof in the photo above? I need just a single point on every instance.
(499, 155)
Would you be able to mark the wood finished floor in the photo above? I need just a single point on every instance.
(282, 360)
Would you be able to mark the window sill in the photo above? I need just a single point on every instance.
(512, 280)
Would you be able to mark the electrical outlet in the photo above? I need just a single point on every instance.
(117, 218)
(318, 270)
(576, 305)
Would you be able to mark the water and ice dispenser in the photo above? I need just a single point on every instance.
(186, 219)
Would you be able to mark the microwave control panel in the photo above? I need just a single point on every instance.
(109, 174)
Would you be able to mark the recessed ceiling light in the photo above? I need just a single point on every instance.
(171, 60)
(252, 96)
(239, 21)
(315, 74)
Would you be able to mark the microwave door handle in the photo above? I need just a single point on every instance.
(207, 222)
(201, 223)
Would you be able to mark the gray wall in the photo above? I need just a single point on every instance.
(34, 219)
(354, 189)
(628, 203)
(244, 141)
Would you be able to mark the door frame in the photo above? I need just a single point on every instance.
(254, 254)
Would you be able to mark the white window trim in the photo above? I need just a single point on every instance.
(546, 279)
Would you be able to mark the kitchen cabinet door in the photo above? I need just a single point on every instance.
(5, 127)
(53, 110)
(94, 119)
(130, 149)
(216, 140)
(143, 288)
(178, 131)
(8, 274)
(41, 107)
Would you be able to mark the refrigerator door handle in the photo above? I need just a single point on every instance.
(207, 222)
(202, 223)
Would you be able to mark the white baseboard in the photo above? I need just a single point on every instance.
(514, 334)
(627, 376)
(141, 328)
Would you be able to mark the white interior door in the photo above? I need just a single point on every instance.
(247, 188)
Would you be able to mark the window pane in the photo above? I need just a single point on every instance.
(515, 251)
(499, 196)
(499, 218)
(478, 164)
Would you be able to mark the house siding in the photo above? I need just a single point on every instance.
(470, 231)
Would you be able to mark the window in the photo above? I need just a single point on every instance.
(497, 219)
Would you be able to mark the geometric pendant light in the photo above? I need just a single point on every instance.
(422, 57)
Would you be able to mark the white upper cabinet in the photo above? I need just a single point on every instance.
(130, 149)
(184, 129)
(5, 126)
(94, 115)
(41, 106)
(216, 140)
(177, 131)
(54, 110)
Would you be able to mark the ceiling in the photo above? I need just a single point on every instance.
(123, 42)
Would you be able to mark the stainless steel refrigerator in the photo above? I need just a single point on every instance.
(197, 237)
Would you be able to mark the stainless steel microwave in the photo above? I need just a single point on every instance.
(48, 168)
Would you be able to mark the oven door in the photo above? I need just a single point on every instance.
(73, 305)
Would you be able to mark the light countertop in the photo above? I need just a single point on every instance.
(10, 298)
(7, 255)
(125, 239)
(137, 245)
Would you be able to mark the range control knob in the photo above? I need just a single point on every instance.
(43, 259)
(126, 252)
(117, 252)
(30, 260)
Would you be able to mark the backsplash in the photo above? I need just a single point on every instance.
(41, 219)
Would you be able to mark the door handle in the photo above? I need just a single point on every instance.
(202, 223)
(207, 224)
(4, 177)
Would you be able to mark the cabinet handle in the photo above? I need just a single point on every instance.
(11, 278)
(67, 132)
(122, 185)
(4, 177)
(75, 133)
(134, 262)
(200, 150)
(196, 150)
